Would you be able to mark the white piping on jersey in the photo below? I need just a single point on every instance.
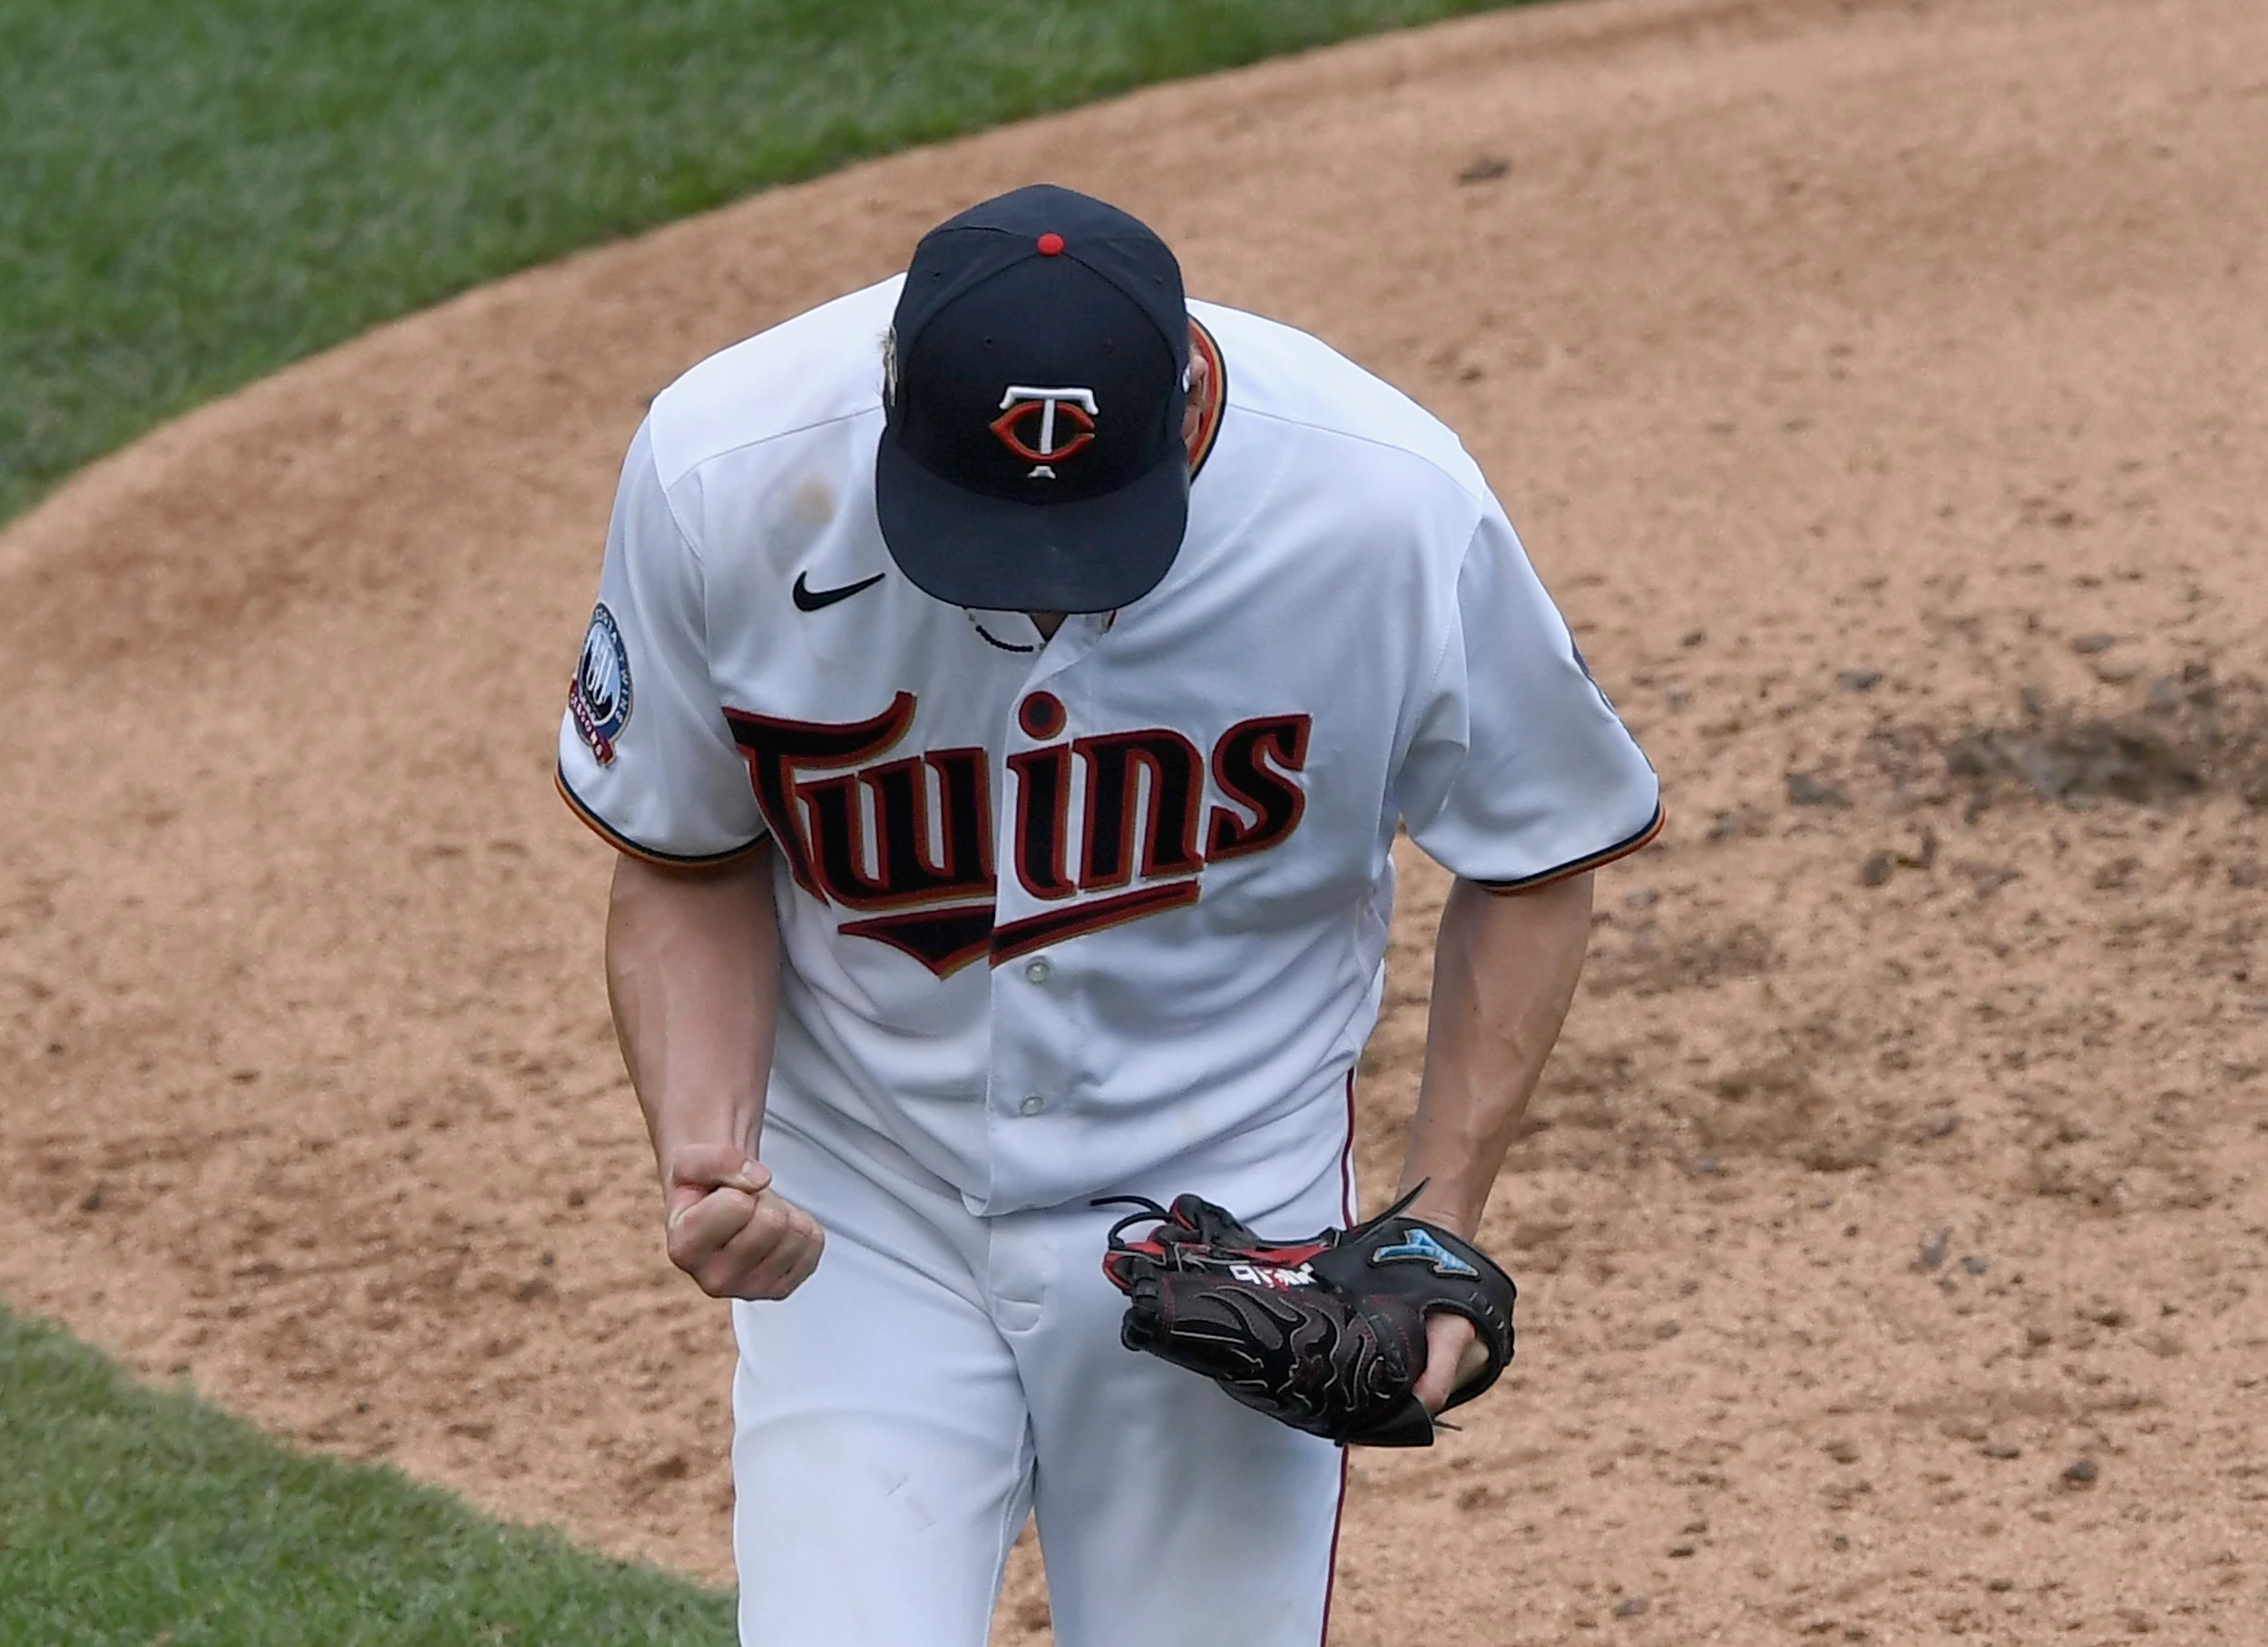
(711, 454)
(1462, 483)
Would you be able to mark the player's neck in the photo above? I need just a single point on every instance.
(1046, 623)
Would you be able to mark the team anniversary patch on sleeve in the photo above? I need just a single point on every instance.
(600, 698)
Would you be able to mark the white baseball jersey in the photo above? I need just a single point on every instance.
(1060, 915)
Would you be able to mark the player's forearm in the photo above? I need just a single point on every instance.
(1504, 972)
(692, 971)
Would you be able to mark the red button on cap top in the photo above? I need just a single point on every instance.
(1051, 243)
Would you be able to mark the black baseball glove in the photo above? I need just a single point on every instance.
(1326, 1334)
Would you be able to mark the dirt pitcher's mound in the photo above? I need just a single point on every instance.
(1879, 388)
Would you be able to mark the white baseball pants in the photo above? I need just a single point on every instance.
(942, 1375)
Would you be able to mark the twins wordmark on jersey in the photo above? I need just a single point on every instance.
(1111, 827)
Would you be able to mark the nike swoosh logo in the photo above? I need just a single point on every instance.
(808, 599)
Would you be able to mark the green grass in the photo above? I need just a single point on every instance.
(135, 1516)
(193, 195)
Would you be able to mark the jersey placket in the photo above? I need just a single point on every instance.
(1037, 1051)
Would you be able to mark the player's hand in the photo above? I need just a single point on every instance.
(1454, 1353)
(730, 1230)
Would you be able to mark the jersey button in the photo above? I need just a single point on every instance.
(1039, 972)
(1033, 1104)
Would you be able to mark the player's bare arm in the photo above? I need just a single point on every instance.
(692, 969)
(1504, 973)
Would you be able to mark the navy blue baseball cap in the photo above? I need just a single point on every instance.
(1031, 456)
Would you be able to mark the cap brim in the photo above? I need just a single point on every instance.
(998, 554)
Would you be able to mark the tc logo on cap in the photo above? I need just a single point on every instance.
(1072, 407)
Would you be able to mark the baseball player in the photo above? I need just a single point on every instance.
(1006, 686)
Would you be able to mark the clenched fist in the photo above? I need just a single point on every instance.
(730, 1230)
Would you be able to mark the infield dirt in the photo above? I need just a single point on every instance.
(1878, 387)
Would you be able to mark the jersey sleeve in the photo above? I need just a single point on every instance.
(1519, 771)
(645, 755)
